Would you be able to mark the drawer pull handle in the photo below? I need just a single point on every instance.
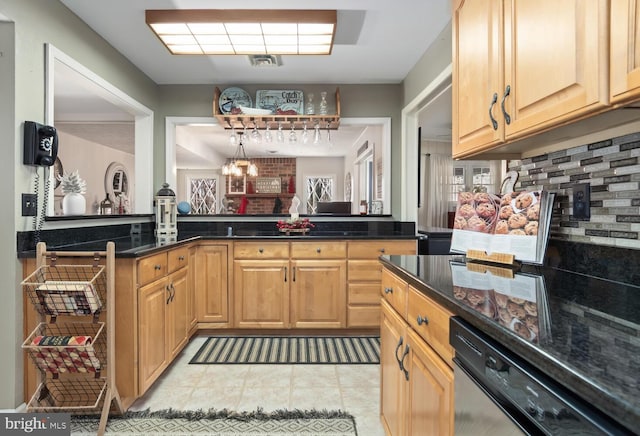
(388, 290)
(180, 258)
(157, 267)
(422, 320)
(382, 250)
(260, 250)
(168, 289)
(318, 250)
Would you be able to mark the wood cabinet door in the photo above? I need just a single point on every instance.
(430, 390)
(261, 293)
(624, 57)
(212, 284)
(192, 316)
(477, 76)
(555, 62)
(177, 316)
(318, 293)
(393, 340)
(153, 334)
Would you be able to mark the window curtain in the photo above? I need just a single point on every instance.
(438, 172)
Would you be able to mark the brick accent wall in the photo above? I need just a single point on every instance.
(284, 168)
(612, 169)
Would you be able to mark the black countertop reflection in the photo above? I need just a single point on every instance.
(146, 243)
(586, 334)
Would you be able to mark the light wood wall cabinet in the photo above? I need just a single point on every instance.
(520, 68)
(364, 274)
(163, 324)
(211, 285)
(416, 395)
(625, 50)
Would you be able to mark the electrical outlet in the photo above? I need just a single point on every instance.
(29, 205)
(582, 202)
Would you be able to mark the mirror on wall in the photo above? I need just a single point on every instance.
(316, 171)
(103, 134)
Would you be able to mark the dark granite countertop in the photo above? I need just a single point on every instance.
(586, 335)
(143, 244)
(435, 231)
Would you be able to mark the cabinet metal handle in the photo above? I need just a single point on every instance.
(382, 250)
(402, 367)
(422, 320)
(494, 100)
(157, 267)
(285, 273)
(169, 292)
(400, 342)
(294, 273)
(173, 292)
(507, 117)
(180, 258)
(318, 250)
(388, 290)
(260, 250)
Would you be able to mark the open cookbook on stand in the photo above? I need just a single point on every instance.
(518, 301)
(516, 224)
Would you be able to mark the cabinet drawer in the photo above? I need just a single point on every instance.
(177, 258)
(431, 322)
(363, 316)
(394, 291)
(261, 250)
(365, 270)
(364, 293)
(319, 250)
(152, 268)
(374, 249)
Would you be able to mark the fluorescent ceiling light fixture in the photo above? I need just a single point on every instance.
(244, 31)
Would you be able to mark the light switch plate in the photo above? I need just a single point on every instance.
(582, 202)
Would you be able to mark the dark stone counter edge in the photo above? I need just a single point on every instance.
(148, 249)
(584, 388)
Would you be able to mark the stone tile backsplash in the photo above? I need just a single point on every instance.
(612, 169)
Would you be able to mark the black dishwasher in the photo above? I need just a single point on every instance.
(497, 393)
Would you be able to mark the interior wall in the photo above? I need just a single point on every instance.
(75, 152)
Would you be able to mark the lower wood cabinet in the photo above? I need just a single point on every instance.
(261, 293)
(416, 385)
(211, 285)
(163, 314)
(318, 293)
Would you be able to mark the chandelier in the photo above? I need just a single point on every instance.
(240, 160)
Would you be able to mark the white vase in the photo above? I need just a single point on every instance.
(74, 203)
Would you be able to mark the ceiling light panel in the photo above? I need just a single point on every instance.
(226, 31)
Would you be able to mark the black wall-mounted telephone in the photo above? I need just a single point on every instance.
(40, 144)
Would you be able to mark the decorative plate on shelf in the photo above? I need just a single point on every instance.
(57, 171)
(233, 98)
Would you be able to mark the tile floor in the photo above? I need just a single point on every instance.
(351, 388)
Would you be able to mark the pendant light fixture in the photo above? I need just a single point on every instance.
(239, 161)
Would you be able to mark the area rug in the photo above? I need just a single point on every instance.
(287, 350)
(221, 423)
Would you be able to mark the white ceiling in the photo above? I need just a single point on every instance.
(377, 41)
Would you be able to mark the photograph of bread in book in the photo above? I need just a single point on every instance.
(516, 223)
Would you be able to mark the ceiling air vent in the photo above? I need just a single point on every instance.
(265, 60)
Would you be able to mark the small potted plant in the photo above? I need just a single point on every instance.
(297, 225)
(73, 187)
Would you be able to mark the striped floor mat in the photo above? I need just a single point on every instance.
(275, 349)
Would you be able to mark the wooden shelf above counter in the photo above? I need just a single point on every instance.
(240, 121)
